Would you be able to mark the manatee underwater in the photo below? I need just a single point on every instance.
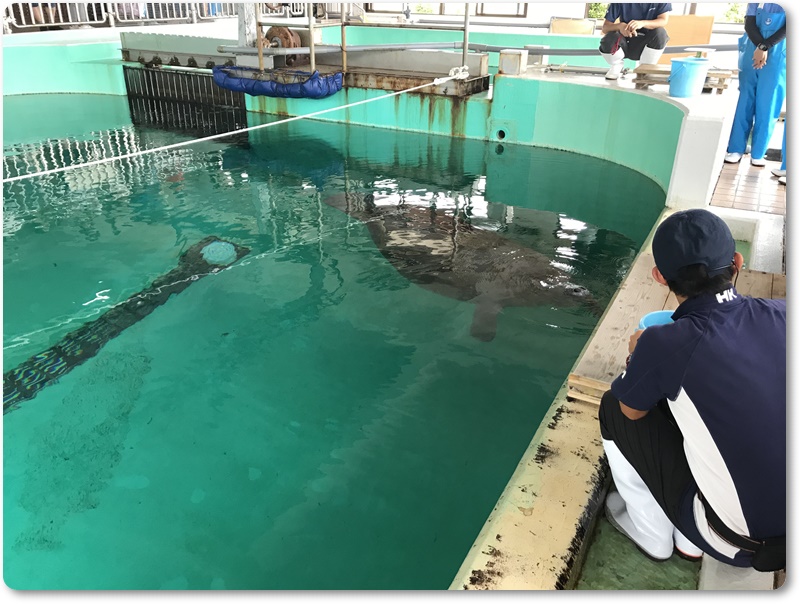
(443, 253)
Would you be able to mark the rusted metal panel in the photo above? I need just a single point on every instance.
(395, 82)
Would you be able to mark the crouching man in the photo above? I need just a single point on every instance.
(635, 32)
(695, 427)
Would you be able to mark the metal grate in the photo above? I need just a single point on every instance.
(182, 100)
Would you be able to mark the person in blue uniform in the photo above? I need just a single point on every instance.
(634, 31)
(694, 429)
(762, 81)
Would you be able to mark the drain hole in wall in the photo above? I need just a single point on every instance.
(501, 134)
(499, 149)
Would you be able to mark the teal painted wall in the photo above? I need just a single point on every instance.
(591, 120)
(75, 111)
(78, 68)
(388, 35)
(411, 111)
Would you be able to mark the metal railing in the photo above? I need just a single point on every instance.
(283, 9)
(41, 14)
(139, 12)
(33, 15)
(215, 10)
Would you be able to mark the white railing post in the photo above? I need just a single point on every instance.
(310, 9)
(112, 22)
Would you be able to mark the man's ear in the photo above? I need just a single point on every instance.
(659, 277)
(738, 261)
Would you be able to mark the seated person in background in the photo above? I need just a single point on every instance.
(639, 35)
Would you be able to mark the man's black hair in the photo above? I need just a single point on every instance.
(693, 280)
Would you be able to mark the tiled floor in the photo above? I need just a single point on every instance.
(745, 187)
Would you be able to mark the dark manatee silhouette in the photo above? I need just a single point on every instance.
(203, 258)
(445, 254)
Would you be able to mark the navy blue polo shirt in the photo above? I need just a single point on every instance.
(722, 368)
(636, 12)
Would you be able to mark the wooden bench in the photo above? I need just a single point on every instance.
(646, 75)
(603, 357)
(686, 30)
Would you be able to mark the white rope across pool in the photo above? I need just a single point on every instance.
(457, 73)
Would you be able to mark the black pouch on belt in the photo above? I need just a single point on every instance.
(768, 554)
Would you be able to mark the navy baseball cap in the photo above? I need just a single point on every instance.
(693, 237)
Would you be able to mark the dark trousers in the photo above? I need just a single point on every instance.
(632, 47)
(653, 445)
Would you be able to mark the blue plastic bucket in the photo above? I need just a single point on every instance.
(687, 76)
(659, 317)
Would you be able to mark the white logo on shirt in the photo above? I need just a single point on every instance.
(726, 296)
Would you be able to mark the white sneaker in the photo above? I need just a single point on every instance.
(649, 545)
(685, 548)
(733, 158)
(615, 71)
(782, 180)
(758, 163)
(779, 172)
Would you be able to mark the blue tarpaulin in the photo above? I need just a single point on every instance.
(284, 84)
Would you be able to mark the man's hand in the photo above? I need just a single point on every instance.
(622, 28)
(633, 27)
(759, 58)
(634, 339)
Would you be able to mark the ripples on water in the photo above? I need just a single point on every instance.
(308, 418)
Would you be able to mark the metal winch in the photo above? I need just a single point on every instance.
(282, 37)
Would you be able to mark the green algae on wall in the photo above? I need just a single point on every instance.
(413, 111)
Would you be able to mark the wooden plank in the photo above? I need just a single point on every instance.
(653, 69)
(779, 286)
(573, 26)
(587, 384)
(685, 30)
(586, 398)
(586, 389)
(757, 284)
(671, 302)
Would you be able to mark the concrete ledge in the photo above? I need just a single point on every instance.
(716, 576)
(764, 231)
(537, 534)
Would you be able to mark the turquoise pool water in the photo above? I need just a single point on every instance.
(308, 418)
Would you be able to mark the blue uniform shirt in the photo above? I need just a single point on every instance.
(636, 12)
(722, 368)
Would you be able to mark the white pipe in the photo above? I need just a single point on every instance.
(465, 48)
(310, 10)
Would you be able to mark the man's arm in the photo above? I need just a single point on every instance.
(660, 21)
(630, 412)
(608, 26)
